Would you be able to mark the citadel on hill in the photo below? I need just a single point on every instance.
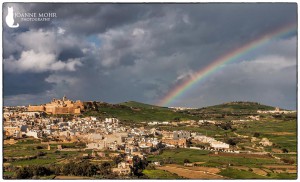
(59, 106)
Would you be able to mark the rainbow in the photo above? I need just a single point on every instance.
(224, 59)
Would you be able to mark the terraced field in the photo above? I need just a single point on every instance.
(193, 173)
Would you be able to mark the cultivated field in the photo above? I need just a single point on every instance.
(192, 173)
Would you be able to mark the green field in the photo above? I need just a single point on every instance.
(209, 130)
(272, 130)
(240, 174)
(178, 155)
(160, 174)
(34, 161)
(29, 148)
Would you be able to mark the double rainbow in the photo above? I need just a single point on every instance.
(224, 59)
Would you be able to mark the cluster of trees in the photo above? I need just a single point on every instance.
(79, 169)
(31, 171)
(83, 168)
(226, 126)
(138, 166)
(91, 106)
(168, 160)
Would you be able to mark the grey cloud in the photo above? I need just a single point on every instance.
(24, 83)
(269, 80)
(70, 52)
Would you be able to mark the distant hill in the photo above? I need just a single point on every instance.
(236, 107)
(134, 111)
(137, 112)
(140, 105)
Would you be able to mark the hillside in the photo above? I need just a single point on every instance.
(135, 104)
(137, 112)
(134, 111)
(236, 107)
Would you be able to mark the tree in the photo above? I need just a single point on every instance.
(232, 141)
(138, 166)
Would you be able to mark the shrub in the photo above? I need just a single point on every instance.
(186, 161)
(40, 153)
(256, 134)
(284, 150)
(39, 147)
(288, 161)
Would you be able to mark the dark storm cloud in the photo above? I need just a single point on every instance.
(25, 83)
(141, 51)
(70, 52)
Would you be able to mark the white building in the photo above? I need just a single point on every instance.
(99, 145)
(32, 133)
(219, 145)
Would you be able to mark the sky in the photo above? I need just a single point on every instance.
(141, 52)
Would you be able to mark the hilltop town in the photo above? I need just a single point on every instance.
(64, 133)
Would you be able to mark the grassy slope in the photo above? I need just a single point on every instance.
(137, 112)
(271, 129)
(235, 107)
(160, 174)
(141, 105)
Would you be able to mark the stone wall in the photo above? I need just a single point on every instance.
(59, 107)
(36, 108)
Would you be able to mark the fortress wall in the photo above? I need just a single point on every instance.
(50, 109)
(36, 108)
(59, 107)
(61, 110)
(77, 111)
